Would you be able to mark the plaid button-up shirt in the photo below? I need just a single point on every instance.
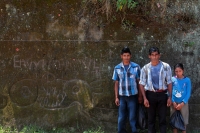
(127, 79)
(165, 76)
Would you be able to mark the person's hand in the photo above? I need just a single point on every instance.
(169, 102)
(179, 106)
(146, 103)
(117, 101)
(175, 105)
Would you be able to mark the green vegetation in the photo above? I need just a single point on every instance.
(127, 25)
(113, 9)
(34, 129)
(131, 4)
(188, 44)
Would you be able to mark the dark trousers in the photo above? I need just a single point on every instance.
(158, 103)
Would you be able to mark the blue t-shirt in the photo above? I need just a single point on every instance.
(155, 70)
(126, 67)
(181, 89)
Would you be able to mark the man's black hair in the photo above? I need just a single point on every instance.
(125, 50)
(153, 49)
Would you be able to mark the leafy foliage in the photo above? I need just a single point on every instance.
(131, 4)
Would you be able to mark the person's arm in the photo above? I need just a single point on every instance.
(146, 102)
(169, 85)
(142, 90)
(143, 80)
(169, 88)
(173, 85)
(116, 93)
(188, 91)
(116, 86)
(140, 99)
(172, 98)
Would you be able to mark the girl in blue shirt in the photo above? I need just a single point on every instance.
(181, 90)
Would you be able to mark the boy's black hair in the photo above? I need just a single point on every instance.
(180, 65)
(125, 50)
(154, 49)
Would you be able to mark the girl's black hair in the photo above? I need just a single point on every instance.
(154, 49)
(180, 65)
(125, 50)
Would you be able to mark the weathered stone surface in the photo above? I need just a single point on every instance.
(57, 57)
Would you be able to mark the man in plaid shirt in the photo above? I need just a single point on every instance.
(156, 86)
(126, 76)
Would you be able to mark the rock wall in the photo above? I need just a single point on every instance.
(57, 57)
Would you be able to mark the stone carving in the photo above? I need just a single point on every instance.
(24, 92)
(52, 94)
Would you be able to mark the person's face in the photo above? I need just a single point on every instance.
(126, 57)
(179, 72)
(154, 57)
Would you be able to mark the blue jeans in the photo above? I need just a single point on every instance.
(127, 109)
